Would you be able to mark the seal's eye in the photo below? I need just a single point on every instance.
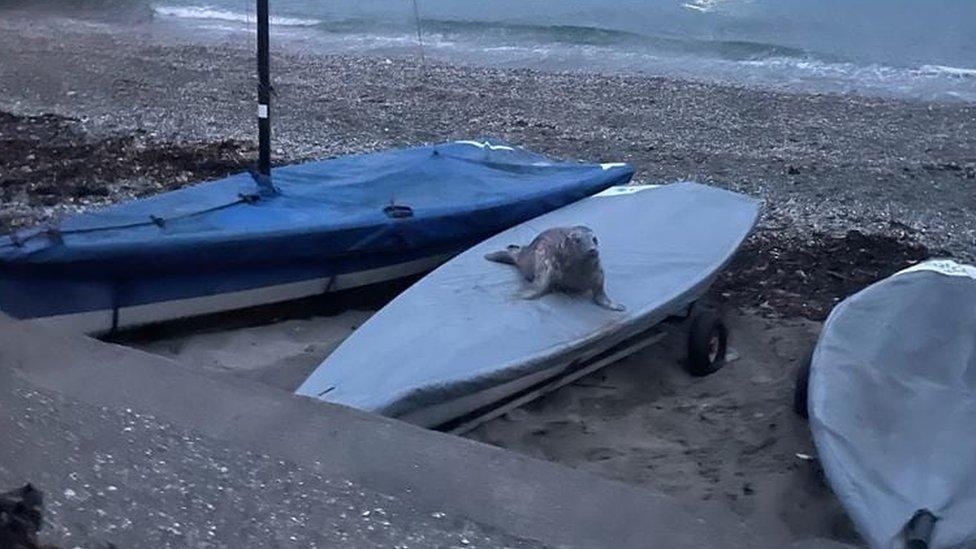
(595, 241)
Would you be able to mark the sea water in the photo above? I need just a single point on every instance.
(919, 49)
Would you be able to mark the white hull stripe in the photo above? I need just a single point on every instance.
(95, 322)
(439, 414)
(946, 267)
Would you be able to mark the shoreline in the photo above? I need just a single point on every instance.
(573, 47)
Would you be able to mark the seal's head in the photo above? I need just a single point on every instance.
(582, 242)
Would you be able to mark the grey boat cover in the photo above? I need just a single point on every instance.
(892, 403)
(462, 329)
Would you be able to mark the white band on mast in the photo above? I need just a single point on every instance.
(262, 110)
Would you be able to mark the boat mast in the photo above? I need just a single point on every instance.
(264, 102)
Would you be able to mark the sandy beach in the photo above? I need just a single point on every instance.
(855, 188)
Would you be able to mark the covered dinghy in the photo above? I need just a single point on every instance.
(332, 224)
(460, 339)
(892, 404)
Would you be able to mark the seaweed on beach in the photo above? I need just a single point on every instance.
(21, 517)
(805, 277)
(49, 161)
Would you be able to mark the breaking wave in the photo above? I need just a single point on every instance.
(205, 12)
(739, 41)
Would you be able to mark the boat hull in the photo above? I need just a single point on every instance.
(460, 338)
(335, 224)
(111, 318)
(892, 404)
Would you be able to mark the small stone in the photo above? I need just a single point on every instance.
(732, 355)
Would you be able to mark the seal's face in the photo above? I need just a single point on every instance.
(584, 242)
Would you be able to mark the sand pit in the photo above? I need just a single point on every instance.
(730, 437)
(281, 354)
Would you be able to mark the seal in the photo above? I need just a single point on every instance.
(560, 258)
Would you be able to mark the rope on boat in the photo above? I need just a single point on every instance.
(56, 233)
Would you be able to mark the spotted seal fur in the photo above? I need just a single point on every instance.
(561, 258)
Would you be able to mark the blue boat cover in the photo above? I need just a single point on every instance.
(334, 207)
(892, 403)
(402, 202)
(462, 330)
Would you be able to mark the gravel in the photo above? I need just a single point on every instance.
(162, 486)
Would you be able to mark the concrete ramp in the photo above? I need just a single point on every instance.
(137, 450)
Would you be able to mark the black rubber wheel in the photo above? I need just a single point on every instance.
(800, 391)
(707, 343)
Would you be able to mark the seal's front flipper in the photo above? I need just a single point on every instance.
(506, 256)
(540, 286)
(600, 298)
(535, 292)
